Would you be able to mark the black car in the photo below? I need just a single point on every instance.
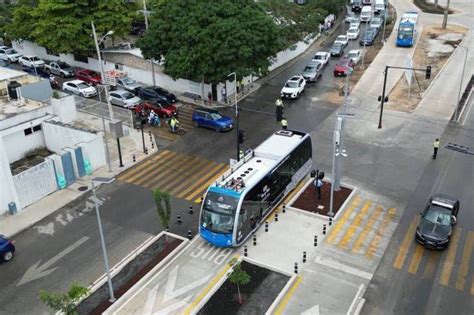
(337, 49)
(138, 28)
(155, 92)
(437, 221)
(368, 38)
(38, 72)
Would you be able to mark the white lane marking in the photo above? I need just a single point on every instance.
(344, 268)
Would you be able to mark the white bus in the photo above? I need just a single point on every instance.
(379, 6)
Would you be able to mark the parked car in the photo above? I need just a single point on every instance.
(89, 76)
(352, 33)
(376, 23)
(80, 87)
(9, 54)
(162, 109)
(293, 87)
(351, 17)
(366, 13)
(368, 38)
(129, 84)
(30, 61)
(156, 92)
(124, 98)
(211, 118)
(36, 71)
(322, 57)
(7, 248)
(356, 5)
(313, 71)
(354, 55)
(437, 221)
(336, 50)
(343, 39)
(60, 68)
(343, 67)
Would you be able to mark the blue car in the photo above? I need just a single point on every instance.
(7, 249)
(211, 118)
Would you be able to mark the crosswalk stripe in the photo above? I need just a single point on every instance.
(416, 259)
(449, 260)
(373, 218)
(127, 175)
(181, 175)
(191, 188)
(430, 265)
(199, 191)
(145, 169)
(407, 241)
(344, 242)
(466, 258)
(198, 186)
(380, 233)
(340, 222)
(191, 179)
(162, 165)
(168, 171)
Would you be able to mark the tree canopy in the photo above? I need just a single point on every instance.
(64, 26)
(207, 40)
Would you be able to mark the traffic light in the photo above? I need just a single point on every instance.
(241, 136)
(428, 72)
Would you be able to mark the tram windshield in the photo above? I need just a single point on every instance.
(218, 213)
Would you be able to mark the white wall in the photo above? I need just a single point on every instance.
(17, 145)
(7, 192)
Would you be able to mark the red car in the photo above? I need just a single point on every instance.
(162, 109)
(88, 76)
(343, 67)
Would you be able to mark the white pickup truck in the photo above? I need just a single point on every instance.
(59, 68)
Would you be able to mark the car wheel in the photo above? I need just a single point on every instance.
(217, 129)
(82, 94)
(7, 256)
(196, 124)
(62, 75)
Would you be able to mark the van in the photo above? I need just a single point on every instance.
(366, 13)
(379, 6)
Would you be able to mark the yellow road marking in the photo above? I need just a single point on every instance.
(344, 242)
(403, 251)
(150, 167)
(472, 287)
(416, 259)
(125, 176)
(287, 296)
(176, 172)
(191, 179)
(373, 218)
(449, 261)
(163, 168)
(340, 222)
(208, 288)
(466, 257)
(184, 193)
(380, 233)
(430, 266)
(198, 191)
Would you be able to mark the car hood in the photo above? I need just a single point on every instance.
(133, 100)
(309, 73)
(69, 70)
(289, 90)
(434, 231)
(134, 85)
(224, 121)
(89, 89)
(335, 49)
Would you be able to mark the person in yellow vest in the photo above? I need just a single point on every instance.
(435, 148)
(284, 124)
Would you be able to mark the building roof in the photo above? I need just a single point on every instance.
(10, 74)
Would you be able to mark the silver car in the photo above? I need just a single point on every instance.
(124, 98)
(129, 84)
(313, 71)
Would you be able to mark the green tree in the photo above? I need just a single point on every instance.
(238, 276)
(21, 23)
(163, 206)
(64, 302)
(207, 40)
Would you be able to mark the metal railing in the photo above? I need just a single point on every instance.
(463, 100)
(96, 108)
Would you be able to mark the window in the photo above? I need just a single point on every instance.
(28, 131)
(36, 128)
(81, 58)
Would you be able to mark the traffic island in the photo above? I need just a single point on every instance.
(151, 255)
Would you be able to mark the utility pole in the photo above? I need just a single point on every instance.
(236, 114)
(145, 14)
(445, 17)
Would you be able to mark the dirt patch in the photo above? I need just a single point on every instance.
(309, 201)
(424, 6)
(434, 48)
(257, 295)
(32, 158)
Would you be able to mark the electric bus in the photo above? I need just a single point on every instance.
(238, 202)
(407, 29)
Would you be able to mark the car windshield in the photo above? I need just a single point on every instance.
(310, 69)
(10, 51)
(438, 215)
(35, 59)
(291, 84)
(219, 212)
(82, 86)
(405, 32)
(318, 57)
(341, 38)
(216, 116)
(128, 80)
(336, 46)
(352, 55)
(128, 95)
(63, 65)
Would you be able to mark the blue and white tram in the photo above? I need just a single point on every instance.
(237, 204)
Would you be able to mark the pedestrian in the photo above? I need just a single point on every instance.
(284, 123)
(224, 94)
(209, 97)
(318, 183)
(435, 148)
(279, 109)
(242, 87)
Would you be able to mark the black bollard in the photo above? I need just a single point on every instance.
(266, 226)
(283, 209)
(202, 199)
(189, 234)
(324, 229)
(146, 150)
(330, 221)
(315, 240)
(296, 267)
(304, 257)
(245, 251)
(255, 240)
(152, 145)
(149, 132)
(179, 219)
(134, 158)
(191, 209)
(276, 216)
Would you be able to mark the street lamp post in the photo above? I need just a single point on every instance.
(456, 110)
(103, 180)
(236, 113)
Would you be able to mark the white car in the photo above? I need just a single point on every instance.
(293, 87)
(323, 57)
(9, 54)
(80, 87)
(354, 55)
(124, 98)
(355, 24)
(343, 39)
(352, 33)
(31, 61)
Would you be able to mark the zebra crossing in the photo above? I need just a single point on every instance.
(183, 176)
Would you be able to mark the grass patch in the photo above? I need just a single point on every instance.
(430, 8)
